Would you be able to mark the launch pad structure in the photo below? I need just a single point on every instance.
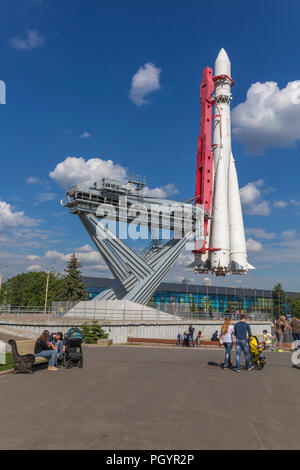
(137, 275)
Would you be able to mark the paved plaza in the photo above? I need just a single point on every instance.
(130, 397)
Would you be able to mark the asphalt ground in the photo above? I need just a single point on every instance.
(128, 397)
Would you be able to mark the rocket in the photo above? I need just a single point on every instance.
(224, 247)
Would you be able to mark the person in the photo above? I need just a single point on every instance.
(295, 327)
(227, 331)
(199, 338)
(191, 335)
(42, 349)
(185, 341)
(57, 339)
(268, 340)
(215, 336)
(241, 330)
(179, 339)
(280, 328)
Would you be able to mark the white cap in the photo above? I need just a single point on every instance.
(222, 64)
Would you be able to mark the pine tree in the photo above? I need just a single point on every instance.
(279, 300)
(72, 287)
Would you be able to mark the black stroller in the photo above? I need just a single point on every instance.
(73, 355)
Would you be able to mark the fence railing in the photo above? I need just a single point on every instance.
(87, 312)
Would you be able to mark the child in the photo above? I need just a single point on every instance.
(268, 340)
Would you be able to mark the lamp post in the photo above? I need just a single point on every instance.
(1, 273)
(46, 293)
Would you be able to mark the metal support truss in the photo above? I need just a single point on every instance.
(137, 277)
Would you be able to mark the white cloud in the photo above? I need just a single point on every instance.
(44, 197)
(33, 180)
(34, 267)
(251, 195)
(289, 234)
(85, 135)
(144, 81)
(78, 170)
(32, 257)
(294, 202)
(269, 117)
(162, 192)
(253, 245)
(31, 40)
(260, 233)
(10, 219)
(280, 204)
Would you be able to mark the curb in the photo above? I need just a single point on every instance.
(5, 372)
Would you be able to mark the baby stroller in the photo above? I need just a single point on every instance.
(256, 358)
(73, 353)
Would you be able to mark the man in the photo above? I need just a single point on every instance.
(295, 326)
(57, 340)
(242, 331)
(191, 335)
(215, 336)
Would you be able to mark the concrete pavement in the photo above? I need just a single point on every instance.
(152, 398)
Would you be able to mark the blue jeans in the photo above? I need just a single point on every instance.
(296, 338)
(242, 345)
(228, 348)
(52, 354)
(59, 346)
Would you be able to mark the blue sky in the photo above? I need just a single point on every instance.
(68, 68)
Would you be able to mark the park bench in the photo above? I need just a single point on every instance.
(23, 356)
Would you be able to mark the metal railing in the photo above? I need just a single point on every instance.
(59, 310)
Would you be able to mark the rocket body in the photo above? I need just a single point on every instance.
(225, 236)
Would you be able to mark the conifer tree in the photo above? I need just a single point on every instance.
(72, 287)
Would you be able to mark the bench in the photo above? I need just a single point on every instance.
(23, 356)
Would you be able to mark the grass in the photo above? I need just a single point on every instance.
(9, 363)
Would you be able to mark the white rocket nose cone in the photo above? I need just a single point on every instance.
(222, 64)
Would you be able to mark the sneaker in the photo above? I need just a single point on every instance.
(280, 350)
(251, 368)
(236, 370)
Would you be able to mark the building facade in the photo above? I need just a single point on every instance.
(176, 298)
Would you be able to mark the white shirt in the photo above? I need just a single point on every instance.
(227, 338)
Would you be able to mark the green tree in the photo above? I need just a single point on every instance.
(294, 306)
(28, 289)
(92, 332)
(279, 300)
(72, 287)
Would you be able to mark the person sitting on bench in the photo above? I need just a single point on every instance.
(42, 349)
(57, 339)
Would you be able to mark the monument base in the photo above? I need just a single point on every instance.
(117, 310)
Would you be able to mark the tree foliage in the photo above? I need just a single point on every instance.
(279, 300)
(28, 289)
(72, 287)
(92, 332)
(294, 306)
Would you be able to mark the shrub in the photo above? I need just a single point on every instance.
(92, 332)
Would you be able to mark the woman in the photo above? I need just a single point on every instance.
(42, 349)
(226, 335)
(281, 326)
